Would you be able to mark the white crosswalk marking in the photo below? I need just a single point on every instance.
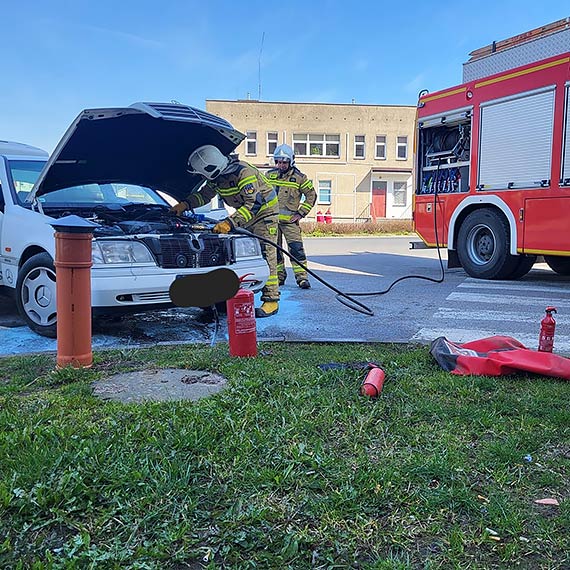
(516, 312)
(467, 315)
(516, 301)
(516, 287)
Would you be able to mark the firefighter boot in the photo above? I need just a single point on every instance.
(304, 284)
(267, 309)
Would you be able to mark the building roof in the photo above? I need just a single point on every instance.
(304, 103)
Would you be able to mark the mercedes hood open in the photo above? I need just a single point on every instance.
(146, 144)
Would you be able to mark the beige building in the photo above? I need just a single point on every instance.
(358, 156)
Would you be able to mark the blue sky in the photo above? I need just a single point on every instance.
(60, 57)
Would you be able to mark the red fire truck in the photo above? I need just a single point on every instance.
(492, 177)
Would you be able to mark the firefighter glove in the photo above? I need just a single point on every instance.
(222, 227)
(295, 218)
(179, 208)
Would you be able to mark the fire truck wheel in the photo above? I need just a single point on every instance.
(525, 263)
(559, 264)
(483, 245)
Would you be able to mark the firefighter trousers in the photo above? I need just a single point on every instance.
(292, 235)
(267, 228)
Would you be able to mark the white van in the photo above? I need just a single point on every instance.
(108, 169)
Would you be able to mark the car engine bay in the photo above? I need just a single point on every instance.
(175, 242)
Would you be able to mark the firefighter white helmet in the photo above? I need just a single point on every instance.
(284, 152)
(207, 160)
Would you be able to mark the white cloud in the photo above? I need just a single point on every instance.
(417, 83)
(126, 36)
(245, 63)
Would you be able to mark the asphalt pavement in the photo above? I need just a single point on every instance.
(416, 310)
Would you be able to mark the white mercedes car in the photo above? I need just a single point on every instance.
(110, 168)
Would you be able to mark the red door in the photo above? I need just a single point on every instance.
(546, 225)
(378, 206)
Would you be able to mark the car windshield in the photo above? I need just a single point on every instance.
(26, 172)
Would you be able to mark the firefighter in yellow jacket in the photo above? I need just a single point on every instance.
(244, 188)
(291, 186)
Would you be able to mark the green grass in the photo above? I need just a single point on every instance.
(288, 468)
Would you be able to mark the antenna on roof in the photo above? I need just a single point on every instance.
(259, 67)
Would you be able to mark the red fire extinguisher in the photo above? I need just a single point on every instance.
(320, 217)
(242, 330)
(547, 328)
(328, 217)
(374, 381)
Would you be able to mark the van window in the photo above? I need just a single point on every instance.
(24, 175)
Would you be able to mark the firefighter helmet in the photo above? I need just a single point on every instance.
(284, 152)
(207, 160)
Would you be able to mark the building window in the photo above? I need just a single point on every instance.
(315, 144)
(271, 143)
(325, 187)
(402, 148)
(380, 147)
(250, 142)
(400, 193)
(359, 146)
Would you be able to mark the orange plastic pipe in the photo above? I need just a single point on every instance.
(73, 290)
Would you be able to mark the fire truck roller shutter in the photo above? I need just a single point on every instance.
(516, 141)
(558, 263)
(566, 156)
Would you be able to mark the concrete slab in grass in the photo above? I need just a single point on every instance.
(159, 385)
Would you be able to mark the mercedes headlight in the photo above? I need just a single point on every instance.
(120, 252)
(247, 247)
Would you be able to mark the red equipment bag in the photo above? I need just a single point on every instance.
(497, 356)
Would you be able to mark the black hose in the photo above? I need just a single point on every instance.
(432, 279)
(216, 325)
(347, 298)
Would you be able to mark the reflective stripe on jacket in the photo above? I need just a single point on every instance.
(291, 187)
(242, 187)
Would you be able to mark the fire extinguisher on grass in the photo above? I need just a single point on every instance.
(373, 382)
(547, 328)
(242, 330)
